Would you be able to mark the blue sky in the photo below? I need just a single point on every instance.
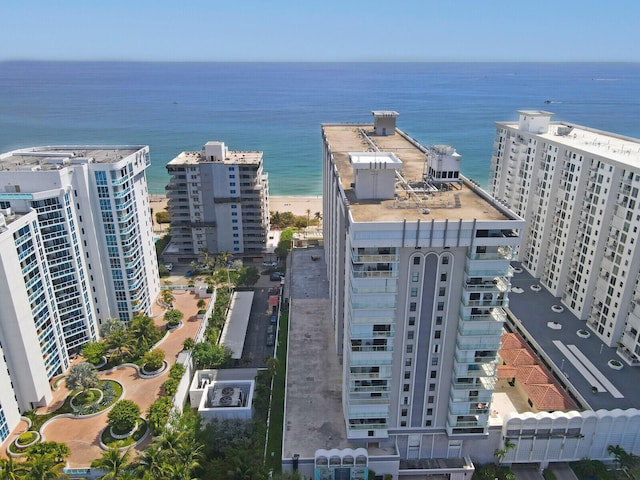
(321, 30)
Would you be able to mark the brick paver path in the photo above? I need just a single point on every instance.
(82, 435)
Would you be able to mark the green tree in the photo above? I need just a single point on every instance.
(110, 325)
(209, 355)
(151, 461)
(163, 217)
(58, 451)
(143, 332)
(121, 344)
(153, 359)
(123, 416)
(500, 453)
(188, 343)
(167, 296)
(82, 375)
(248, 276)
(272, 365)
(44, 467)
(12, 470)
(113, 463)
(94, 352)
(318, 217)
(158, 414)
(173, 317)
(201, 304)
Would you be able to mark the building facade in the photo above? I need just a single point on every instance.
(218, 202)
(418, 266)
(578, 188)
(76, 249)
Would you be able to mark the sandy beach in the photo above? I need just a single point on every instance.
(295, 205)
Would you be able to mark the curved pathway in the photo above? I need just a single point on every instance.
(82, 435)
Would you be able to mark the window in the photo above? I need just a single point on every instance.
(412, 321)
(433, 374)
(415, 276)
(407, 375)
(410, 334)
(439, 320)
(430, 399)
(414, 292)
(440, 306)
(445, 260)
(416, 260)
(405, 387)
(443, 277)
(413, 306)
(441, 292)
(437, 334)
(409, 348)
(404, 412)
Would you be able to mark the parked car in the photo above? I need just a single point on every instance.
(270, 264)
(271, 340)
(275, 276)
(273, 320)
(271, 330)
(168, 266)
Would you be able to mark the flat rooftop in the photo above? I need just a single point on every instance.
(625, 150)
(462, 201)
(582, 362)
(239, 157)
(56, 157)
(313, 408)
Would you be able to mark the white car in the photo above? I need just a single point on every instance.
(168, 266)
(270, 264)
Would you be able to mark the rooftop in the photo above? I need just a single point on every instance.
(233, 157)
(56, 157)
(582, 362)
(625, 150)
(414, 199)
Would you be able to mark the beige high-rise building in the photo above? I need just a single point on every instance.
(218, 201)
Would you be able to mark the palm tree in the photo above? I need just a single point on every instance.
(120, 342)
(151, 461)
(308, 216)
(272, 366)
(318, 217)
(144, 331)
(167, 297)
(500, 453)
(44, 467)
(113, 463)
(11, 470)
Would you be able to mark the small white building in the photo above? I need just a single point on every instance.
(223, 399)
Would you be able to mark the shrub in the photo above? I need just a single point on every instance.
(124, 416)
(94, 352)
(188, 343)
(173, 317)
(177, 371)
(153, 359)
(171, 387)
(158, 414)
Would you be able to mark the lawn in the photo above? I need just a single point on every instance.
(276, 420)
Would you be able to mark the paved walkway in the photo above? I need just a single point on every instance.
(82, 435)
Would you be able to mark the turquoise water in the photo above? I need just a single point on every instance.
(278, 107)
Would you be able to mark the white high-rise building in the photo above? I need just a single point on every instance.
(578, 188)
(76, 248)
(418, 267)
(218, 201)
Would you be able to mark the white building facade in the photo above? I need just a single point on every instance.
(76, 249)
(218, 202)
(419, 275)
(578, 188)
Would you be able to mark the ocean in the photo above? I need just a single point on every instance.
(278, 107)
